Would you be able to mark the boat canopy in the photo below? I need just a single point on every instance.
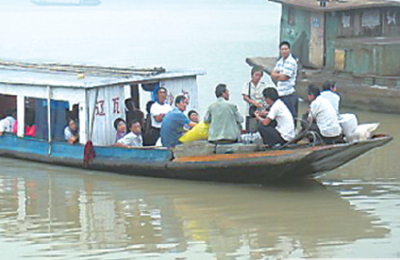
(99, 92)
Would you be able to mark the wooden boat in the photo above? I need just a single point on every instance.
(98, 92)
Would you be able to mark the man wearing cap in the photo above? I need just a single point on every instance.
(285, 73)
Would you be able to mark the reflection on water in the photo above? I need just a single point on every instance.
(65, 213)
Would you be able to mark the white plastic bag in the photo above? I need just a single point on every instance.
(348, 123)
(363, 132)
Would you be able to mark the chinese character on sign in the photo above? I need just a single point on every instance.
(116, 105)
(99, 111)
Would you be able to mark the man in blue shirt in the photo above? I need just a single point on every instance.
(173, 123)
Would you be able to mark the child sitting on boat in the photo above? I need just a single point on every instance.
(7, 123)
(134, 138)
(71, 134)
(120, 127)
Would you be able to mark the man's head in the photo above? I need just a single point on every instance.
(284, 48)
(329, 85)
(120, 125)
(134, 126)
(313, 92)
(256, 73)
(193, 116)
(270, 95)
(222, 91)
(161, 95)
(180, 102)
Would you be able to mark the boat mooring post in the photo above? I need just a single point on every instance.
(49, 117)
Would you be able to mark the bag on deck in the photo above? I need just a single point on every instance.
(198, 132)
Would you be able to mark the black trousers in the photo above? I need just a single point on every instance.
(292, 103)
(270, 135)
(314, 127)
(150, 138)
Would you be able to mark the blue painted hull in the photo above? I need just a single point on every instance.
(257, 167)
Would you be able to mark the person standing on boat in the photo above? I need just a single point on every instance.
(174, 122)
(285, 73)
(252, 91)
(134, 138)
(71, 132)
(329, 92)
(158, 111)
(252, 95)
(224, 118)
(284, 130)
(6, 124)
(323, 117)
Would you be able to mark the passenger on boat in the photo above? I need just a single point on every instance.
(284, 130)
(132, 112)
(120, 126)
(71, 134)
(285, 73)
(323, 118)
(224, 118)
(158, 111)
(7, 123)
(329, 92)
(194, 119)
(173, 124)
(30, 130)
(193, 116)
(134, 138)
(252, 91)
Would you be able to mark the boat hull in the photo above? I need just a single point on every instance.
(255, 168)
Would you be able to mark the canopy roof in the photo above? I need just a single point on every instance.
(336, 5)
(82, 76)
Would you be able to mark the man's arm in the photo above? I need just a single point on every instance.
(264, 121)
(250, 101)
(207, 117)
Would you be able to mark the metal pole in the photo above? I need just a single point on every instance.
(49, 117)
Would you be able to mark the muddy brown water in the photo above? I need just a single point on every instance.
(50, 212)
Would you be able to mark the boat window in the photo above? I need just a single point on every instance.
(59, 112)
(8, 104)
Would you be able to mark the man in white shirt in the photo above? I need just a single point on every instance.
(134, 138)
(324, 116)
(285, 73)
(158, 111)
(6, 125)
(329, 92)
(284, 130)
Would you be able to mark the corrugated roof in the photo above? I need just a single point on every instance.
(335, 5)
(81, 76)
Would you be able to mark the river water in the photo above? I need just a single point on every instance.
(49, 212)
